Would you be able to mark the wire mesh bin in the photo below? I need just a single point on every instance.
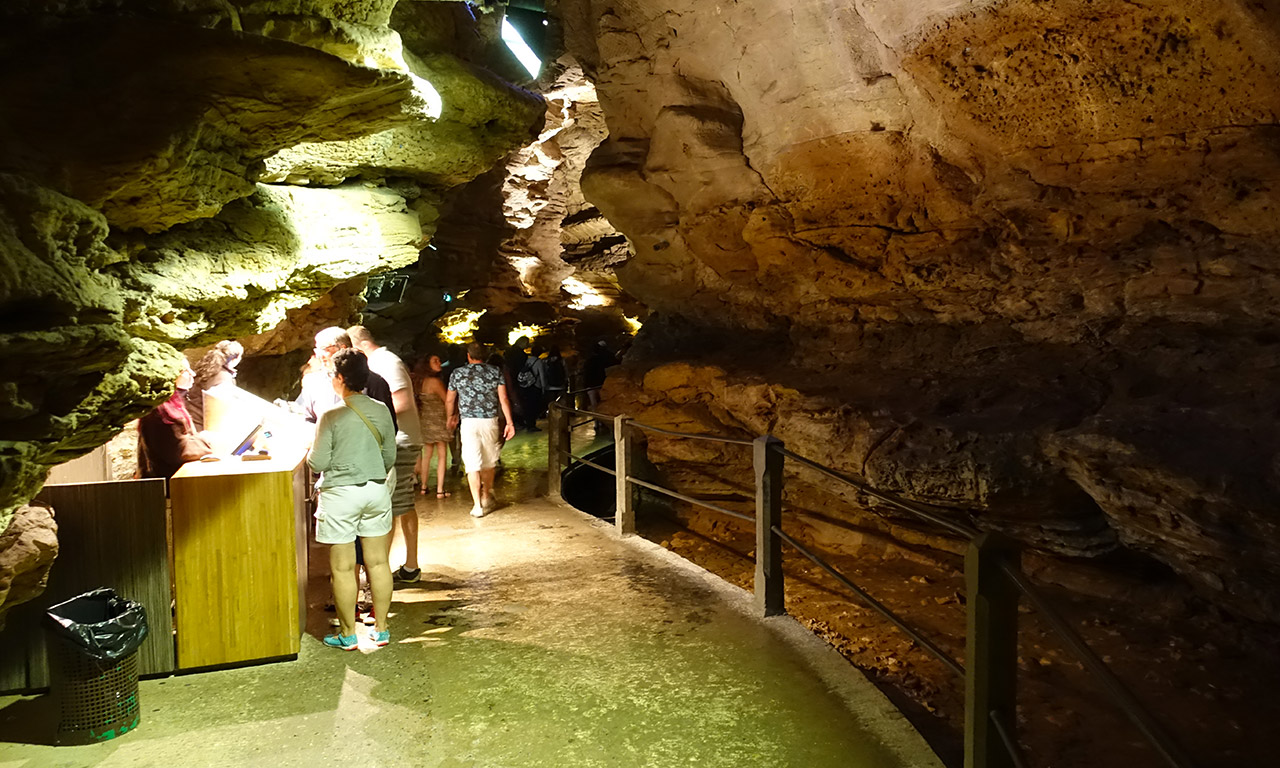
(97, 700)
(94, 665)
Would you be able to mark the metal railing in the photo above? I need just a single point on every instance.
(994, 584)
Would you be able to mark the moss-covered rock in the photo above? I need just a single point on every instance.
(468, 120)
(284, 247)
(156, 124)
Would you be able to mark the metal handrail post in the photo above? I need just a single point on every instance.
(557, 444)
(991, 652)
(624, 450)
(768, 470)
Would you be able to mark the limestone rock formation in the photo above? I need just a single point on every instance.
(520, 244)
(283, 247)
(73, 372)
(471, 119)
(1014, 258)
(156, 123)
(28, 547)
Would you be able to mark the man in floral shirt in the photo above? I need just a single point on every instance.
(477, 394)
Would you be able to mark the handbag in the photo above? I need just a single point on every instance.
(192, 447)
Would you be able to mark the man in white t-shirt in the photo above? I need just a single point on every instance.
(386, 364)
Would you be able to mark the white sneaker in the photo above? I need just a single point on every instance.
(477, 511)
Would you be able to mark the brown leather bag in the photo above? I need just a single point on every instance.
(192, 447)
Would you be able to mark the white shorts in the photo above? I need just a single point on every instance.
(348, 511)
(480, 443)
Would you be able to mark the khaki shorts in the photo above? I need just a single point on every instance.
(402, 490)
(480, 443)
(348, 511)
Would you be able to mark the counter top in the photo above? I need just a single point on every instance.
(283, 460)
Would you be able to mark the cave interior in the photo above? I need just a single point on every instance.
(1015, 262)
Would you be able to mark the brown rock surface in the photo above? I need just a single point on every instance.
(1015, 258)
(522, 244)
(28, 547)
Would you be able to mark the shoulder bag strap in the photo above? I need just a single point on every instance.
(372, 429)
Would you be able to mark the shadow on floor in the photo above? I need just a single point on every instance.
(29, 721)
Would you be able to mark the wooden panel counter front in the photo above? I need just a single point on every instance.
(240, 548)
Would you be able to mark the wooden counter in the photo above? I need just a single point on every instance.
(240, 569)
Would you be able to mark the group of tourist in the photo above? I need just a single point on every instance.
(378, 430)
(540, 377)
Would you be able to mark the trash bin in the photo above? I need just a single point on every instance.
(94, 665)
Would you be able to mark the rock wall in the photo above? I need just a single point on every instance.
(1013, 258)
(28, 547)
(173, 172)
(522, 245)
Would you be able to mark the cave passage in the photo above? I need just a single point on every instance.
(534, 638)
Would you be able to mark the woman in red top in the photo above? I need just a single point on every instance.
(166, 437)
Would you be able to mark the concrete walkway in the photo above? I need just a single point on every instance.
(536, 638)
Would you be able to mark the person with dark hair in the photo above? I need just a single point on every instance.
(353, 451)
(594, 371)
(218, 366)
(318, 395)
(555, 377)
(166, 437)
(477, 394)
(529, 385)
(436, 434)
(496, 361)
(513, 362)
(390, 367)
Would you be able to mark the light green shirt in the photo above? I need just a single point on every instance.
(345, 451)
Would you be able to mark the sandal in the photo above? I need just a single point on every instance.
(442, 494)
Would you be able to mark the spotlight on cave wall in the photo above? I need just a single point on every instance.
(526, 267)
(432, 103)
(584, 295)
(459, 326)
(532, 331)
(520, 48)
(633, 323)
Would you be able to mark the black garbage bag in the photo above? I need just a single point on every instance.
(101, 624)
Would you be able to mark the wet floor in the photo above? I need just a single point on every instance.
(536, 638)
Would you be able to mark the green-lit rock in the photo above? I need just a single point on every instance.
(282, 248)
(468, 120)
(72, 375)
(157, 124)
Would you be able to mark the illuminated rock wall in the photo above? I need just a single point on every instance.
(1016, 258)
(522, 245)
